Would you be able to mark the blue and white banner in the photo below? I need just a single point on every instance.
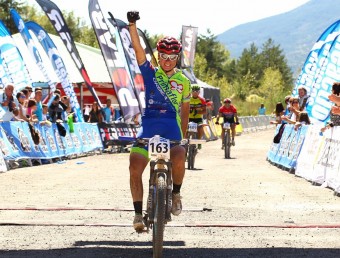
(131, 60)
(16, 140)
(319, 72)
(318, 105)
(12, 65)
(32, 48)
(56, 17)
(58, 65)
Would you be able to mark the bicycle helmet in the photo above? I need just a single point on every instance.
(169, 45)
(227, 100)
(195, 87)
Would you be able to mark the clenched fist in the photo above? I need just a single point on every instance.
(133, 16)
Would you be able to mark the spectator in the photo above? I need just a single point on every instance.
(38, 99)
(262, 110)
(335, 99)
(21, 97)
(295, 112)
(56, 109)
(45, 116)
(69, 110)
(16, 115)
(30, 90)
(8, 103)
(303, 98)
(334, 116)
(95, 115)
(279, 111)
(303, 120)
(287, 101)
(31, 108)
(108, 112)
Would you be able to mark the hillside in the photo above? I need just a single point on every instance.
(295, 31)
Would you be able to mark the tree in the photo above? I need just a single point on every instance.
(5, 15)
(214, 52)
(272, 56)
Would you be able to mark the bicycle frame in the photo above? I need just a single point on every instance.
(227, 140)
(192, 133)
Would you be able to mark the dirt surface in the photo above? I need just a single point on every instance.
(240, 207)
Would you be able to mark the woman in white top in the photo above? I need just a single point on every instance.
(21, 97)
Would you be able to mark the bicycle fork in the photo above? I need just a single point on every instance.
(159, 168)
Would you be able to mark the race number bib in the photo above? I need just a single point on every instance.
(226, 125)
(159, 147)
(192, 127)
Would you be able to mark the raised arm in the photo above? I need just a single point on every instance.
(132, 17)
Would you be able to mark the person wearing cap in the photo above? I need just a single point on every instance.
(167, 96)
(303, 97)
(229, 113)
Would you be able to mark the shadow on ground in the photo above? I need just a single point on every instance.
(127, 249)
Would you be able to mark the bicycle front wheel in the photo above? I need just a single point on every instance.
(227, 145)
(191, 156)
(159, 217)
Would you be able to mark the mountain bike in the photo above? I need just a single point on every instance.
(192, 149)
(227, 140)
(159, 204)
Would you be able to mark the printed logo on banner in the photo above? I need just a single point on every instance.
(115, 62)
(97, 137)
(51, 142)
(75, 140)
(11, 140)
(4, 149)
(82, 137)
(42, 144)
(60, 143)
(24, 141)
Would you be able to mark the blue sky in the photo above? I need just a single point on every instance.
(157, 18)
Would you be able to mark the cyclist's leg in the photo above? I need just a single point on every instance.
(178, 170)
(222, 136)
(138, 162)
(233, 133)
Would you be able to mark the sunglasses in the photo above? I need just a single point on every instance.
(172, 57)
(23, 96)
(295, 102)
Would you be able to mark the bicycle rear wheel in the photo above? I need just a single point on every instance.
(227, 145)
(159, 217)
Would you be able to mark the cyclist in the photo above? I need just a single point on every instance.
(197, 110)
(229, 113)
(167, 96)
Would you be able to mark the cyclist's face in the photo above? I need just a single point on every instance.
(195, 93)
(167, 64)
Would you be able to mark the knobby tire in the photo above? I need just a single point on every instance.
(191, 156)
(227, 144)
(159, 217)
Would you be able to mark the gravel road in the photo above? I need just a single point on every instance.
(239, 207)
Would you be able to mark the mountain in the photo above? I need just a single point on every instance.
(295, 31)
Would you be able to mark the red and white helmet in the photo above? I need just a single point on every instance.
(169, 45)
(227, 100)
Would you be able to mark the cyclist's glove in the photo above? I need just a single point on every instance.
(133, 16)
(237, 123)
(217, 123)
